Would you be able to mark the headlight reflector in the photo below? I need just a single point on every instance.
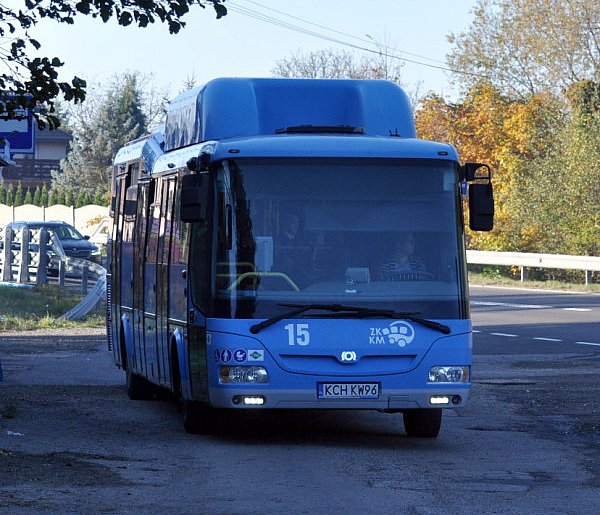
(449, 374)
(241, 374)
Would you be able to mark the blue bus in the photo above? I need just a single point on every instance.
(290, 244)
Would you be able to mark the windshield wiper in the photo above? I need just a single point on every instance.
(358, 311)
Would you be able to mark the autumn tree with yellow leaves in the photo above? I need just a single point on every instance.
(529, 108)
(507, 135)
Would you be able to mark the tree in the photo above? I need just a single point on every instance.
(10, 195)
(37, 197)
(512, 137)
(524, 47)
(570, 203)
(53, 197)
(18, 198)
(338, 64)
(2, 194)
(99, 129)
(32, 82)
(28, 197)
(69, 201)
(88, 198)
(99, 199)
(44, 196)
(79, 201)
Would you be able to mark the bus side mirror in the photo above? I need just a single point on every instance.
(481, 207)
(193, 198)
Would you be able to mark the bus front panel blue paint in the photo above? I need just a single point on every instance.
(300, 355)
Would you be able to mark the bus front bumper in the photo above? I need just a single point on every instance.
(388, 400)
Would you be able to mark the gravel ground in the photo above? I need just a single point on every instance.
(71, 442)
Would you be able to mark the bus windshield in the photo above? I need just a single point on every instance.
(375, 233)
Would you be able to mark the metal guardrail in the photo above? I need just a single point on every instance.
(95, 294)
(24, 261)
(527, 260)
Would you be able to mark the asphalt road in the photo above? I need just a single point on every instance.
(512, 321)
(528, 442)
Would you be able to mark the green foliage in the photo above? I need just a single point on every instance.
(547, 167)
(84, 198)
(18, 198)
(99, 130)
(53, 197)
(2, 193)
(37, 197)
(44, 196)
(545, 157)
(32, 80)
(28, 197)
(88, 198)
(100, 199)
(39, 307)
(69, 200)
(10, 195)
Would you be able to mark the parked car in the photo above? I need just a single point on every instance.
(74, 244)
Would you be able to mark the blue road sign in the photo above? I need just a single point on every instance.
(19, 132)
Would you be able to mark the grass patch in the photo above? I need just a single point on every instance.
(40, 307)
(488, 279)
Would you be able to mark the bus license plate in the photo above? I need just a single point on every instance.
(348, 390)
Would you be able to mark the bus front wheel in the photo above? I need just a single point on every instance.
(138, 388)
(198, 418)
(422, 423)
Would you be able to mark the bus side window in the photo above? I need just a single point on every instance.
(153, 220)
(180, 243)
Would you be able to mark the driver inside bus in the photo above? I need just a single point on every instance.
(289, 234)
(402, 262)
(290, 250)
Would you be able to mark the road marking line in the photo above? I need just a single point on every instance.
(510, 305)
(588, 343)
(476, 331)
(505, 334)
(548, 339)
(524, 306)
(536, 290)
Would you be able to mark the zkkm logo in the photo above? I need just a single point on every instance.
(401, 333)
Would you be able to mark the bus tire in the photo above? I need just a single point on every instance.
(198, 418)
(422, 423)
(138, 388)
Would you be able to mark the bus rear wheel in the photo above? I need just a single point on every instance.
(422, 423)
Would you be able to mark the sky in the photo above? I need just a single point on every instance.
(240, 45)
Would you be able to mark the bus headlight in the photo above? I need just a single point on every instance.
(241, 374)
(450, 374)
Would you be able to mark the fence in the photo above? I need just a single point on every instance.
(526, 260)
(87, 219)
(29, 256)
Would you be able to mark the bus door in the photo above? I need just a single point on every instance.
(127, 261)
(115, 265)
(150, 286)
(162, 277)
(141, 229)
